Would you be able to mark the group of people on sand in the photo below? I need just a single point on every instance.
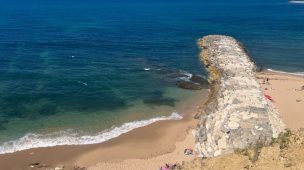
(266, 82)
(187, 151)
(168, 167)
(301, 89)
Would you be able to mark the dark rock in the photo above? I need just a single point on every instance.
(36, 163)
(189, 85)
(33, 165)
(200, 80)
(79, 168)
(236, 101)
(257, 110)
(259, 68)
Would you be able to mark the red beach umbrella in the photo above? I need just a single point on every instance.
(268, 97)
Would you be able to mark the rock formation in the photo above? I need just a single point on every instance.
(196, 82)
(237, 114)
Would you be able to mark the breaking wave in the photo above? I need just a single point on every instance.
(283, 72)
(297, 2)
(70, 137)
(186, 76)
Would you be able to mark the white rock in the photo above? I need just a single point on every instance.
(217, 153)
(233, 125)
(59, 167)
(222, 143)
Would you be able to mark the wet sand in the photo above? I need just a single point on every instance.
(287, 94)
(143, 143)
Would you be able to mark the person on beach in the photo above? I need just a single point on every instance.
(301, 89)
(168, 167)
(267, 81)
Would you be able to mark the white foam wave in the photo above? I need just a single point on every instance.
(297, 2)
(147, 69)
(186, 76)
(83, 83)
(283, 72)
(71, 137)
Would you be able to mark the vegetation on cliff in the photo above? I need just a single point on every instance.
(285, 152)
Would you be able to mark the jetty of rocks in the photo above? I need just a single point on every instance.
(237, 114)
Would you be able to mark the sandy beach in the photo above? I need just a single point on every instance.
(288, 96)
(153, 163)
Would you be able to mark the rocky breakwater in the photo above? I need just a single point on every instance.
(237, 114)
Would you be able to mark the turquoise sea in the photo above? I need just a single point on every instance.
(81, 72)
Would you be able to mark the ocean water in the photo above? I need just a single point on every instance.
(81, 72)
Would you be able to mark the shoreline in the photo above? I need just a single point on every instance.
(156, 139)
(298, 74)
(72, 138)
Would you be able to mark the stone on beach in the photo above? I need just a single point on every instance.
(60, 167)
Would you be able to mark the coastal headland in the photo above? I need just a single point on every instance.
(238, 114)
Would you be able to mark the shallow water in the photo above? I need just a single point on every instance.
(90, 66)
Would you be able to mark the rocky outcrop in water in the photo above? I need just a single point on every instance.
(196, 82)
(200, 80)
(237, 115)
(188, 85)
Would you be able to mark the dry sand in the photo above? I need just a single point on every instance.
(154, 163)
(287, 95)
